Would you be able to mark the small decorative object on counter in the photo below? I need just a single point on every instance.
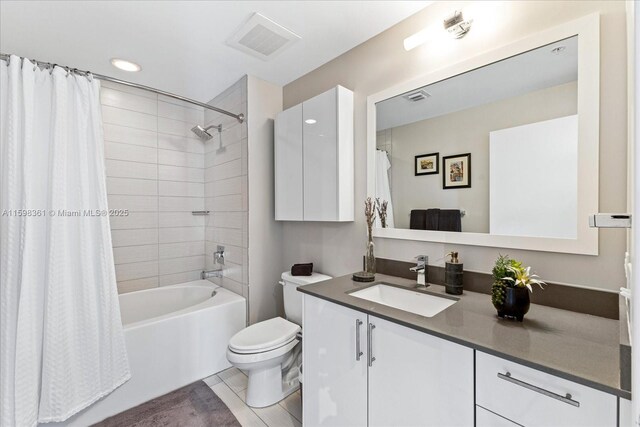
(511, 286)
(453, 274)
(369, 256)
(381, 207)
(305, 269)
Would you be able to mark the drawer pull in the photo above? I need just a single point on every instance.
(566, 399)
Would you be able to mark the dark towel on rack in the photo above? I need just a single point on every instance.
(302, 269)
(433, 219)
(449, 220)
(418, 219)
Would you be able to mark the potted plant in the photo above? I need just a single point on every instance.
(512, 283)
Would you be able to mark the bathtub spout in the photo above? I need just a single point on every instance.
(210, 273)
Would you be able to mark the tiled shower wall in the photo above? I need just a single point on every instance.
(155, 169)
(226, 192)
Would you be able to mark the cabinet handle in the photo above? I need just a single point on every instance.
(358, 352)
(370, 343)
(566, 399)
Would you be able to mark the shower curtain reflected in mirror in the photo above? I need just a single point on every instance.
(383, 187)
(61, 339)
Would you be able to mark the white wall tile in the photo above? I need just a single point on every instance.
(177, 173)
(127, 135)
(226, 170)
(129, 254)
(143, 236)
(128, 152)
(183, 113)
(180, 219)
(178, 158)
(181, 265)
(175, 127)
(134, 203)
(226, 187)
(136, 270)
(231, 203)
(172, 279)
(175, 188)
(235, 220)
(123, 169)
(183, 249)
(169, 100)
(226, 154)
(225, 236)
(181, 234)
(130, 186)
(134, 220)
(129, 89)
(118, 116)
(179, 204)
(128, 101)
(137, 284)
(180, 143)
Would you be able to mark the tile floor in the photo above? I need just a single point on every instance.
(231, 386)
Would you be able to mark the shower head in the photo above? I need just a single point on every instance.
(203, 133)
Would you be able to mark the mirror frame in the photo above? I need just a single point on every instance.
(588, 31)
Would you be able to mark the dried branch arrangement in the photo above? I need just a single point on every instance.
(370, 215)
(381, 207)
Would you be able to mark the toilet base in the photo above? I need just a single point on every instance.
(266, 387)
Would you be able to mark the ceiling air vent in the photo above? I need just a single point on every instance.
(262, 38)
(417, 95)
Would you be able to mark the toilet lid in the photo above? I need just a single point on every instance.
(264, 336)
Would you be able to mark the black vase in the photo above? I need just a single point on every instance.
(516, 303)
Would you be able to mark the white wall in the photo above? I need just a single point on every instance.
(381, 62)
(265, 234)
(465, 131)
(155, 168)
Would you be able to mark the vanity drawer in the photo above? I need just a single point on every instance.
(486, 418)
(534, 398)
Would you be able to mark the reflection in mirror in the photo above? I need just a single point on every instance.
(493, 150)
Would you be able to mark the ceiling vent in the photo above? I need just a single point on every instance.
(262, 38)
(417, 95)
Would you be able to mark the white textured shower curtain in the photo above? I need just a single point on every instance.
(383, 188)
(62, 344)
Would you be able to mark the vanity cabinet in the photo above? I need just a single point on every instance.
(361, 370)
(533, 398)
(314, 160)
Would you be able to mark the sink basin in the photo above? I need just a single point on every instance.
(427, 305)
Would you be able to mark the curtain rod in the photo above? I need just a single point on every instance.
(239, 117)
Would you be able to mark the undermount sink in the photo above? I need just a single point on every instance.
(424, 304)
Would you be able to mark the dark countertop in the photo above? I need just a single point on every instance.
(579, 347)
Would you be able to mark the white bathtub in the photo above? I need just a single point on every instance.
(175, 335)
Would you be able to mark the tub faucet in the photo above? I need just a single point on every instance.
(205, 274)
(422, 268)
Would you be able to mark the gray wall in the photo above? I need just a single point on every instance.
(465, 131)
(382, 62)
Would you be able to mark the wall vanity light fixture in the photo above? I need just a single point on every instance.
(455, 25)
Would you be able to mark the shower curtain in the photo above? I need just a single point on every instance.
(62, 344)
(383, 189)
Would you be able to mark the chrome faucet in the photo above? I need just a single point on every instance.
(422, 268)
(218, 258)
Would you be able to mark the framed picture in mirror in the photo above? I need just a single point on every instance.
(456, 171)
(427, 164)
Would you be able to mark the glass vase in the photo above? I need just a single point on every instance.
(370, 258)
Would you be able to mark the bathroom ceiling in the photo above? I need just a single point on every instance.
(181, 45)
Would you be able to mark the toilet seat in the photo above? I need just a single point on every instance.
(239, 359)
(264, 336)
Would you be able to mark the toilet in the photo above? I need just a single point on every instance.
(269, 351)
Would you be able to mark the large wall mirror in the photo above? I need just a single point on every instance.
(501, 150)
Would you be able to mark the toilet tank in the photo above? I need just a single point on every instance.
(293, 298)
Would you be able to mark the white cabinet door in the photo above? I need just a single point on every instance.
(320, 157)
(417, 379)
(334, 380)
(288, 165)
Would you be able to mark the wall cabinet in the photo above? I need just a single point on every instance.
(414, 379)
(314, 160)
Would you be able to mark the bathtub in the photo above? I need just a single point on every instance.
(175, 335)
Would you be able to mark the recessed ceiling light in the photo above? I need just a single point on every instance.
(125, 65)
(310, 121)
